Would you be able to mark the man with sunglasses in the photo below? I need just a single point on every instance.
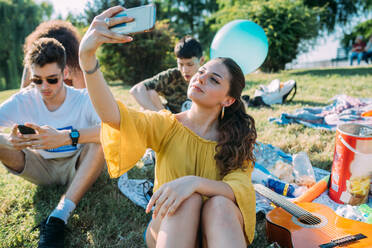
(65, 147)
(69, 37)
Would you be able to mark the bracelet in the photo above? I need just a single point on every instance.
(93, 70)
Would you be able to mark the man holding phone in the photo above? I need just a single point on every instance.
(60, 142)
(173, 83)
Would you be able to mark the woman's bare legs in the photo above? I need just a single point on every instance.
(179, 230)
(222, 223)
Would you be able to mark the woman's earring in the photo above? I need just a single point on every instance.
(222, 112)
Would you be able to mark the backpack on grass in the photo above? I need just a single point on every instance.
(275, 93)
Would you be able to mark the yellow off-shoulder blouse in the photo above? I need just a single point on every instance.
(179, 152)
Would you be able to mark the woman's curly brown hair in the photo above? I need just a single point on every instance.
(62, 31)
(237, 132)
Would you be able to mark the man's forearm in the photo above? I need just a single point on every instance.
(148, 99)
(90, 135)
(87, 135)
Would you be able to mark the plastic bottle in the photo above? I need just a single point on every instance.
(280, 187)
(303, 170)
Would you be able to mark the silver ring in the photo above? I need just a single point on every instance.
(107, 21)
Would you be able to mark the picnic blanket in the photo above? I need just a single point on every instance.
(344, 109)
(267, 155)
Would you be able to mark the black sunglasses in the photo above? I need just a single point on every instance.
(49, 80)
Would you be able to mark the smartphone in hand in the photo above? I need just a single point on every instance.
(144, 20)
(26, 130)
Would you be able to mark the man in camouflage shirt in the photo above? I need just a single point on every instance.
(171, 84)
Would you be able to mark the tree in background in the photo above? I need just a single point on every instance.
(291, 25)
(338, 11)
(364, 28)
(187, 17)
(149, 54)
(18, 18)
(95, 7)
(286, 24)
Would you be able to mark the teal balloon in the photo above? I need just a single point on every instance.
(242, 40)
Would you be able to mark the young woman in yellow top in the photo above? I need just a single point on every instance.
(203, 184)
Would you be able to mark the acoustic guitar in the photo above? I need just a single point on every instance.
(310, 225)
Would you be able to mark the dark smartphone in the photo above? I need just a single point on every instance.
(26, 130)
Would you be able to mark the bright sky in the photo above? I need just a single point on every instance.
(63, 7)
(325, 49)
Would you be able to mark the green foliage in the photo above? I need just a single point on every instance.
(17, 19)
(334, 11)
(286, 24)
(95, 7)
(364, 28)
(338, 11)
(150, 53)
(187, 16)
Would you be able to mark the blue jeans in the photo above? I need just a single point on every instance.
(368, 55)
(358, 55)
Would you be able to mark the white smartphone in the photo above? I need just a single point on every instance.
(144, 20)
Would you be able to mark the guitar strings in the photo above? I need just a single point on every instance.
(299, 213)
(314, 220)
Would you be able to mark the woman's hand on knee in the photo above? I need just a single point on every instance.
(170, 195)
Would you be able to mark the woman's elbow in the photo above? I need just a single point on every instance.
(111, 123)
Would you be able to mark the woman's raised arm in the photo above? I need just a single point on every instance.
(98, 34)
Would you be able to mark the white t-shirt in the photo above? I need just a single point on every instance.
(28, 106)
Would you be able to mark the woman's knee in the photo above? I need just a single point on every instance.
(193, 203)
(196, 199)
(190, 206)
(187, 214)
(219, 208)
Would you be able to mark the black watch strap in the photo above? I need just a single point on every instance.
(74, 135)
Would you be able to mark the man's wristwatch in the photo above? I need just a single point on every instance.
(74, 135)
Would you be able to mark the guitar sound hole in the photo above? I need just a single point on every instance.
(309, 220)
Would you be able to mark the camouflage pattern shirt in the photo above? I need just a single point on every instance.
(171, 85)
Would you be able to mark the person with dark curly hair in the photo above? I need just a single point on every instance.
(68, 36)
(202, 190)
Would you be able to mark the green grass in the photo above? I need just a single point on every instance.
(105, 218)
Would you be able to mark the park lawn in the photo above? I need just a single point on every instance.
(105, 218)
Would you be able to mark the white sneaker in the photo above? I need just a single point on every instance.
(148, 158)
(139, 191)
(275, 92)
(286, 88)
